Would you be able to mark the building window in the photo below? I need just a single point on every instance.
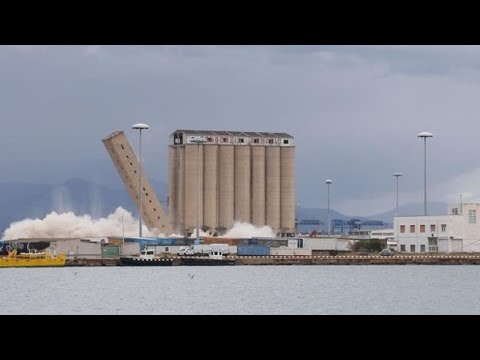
(285, 142)
(422, 228)
(412, 228)
(444, 227)
(270, 141)
(432, 228)
(241, 140)
(225, 140)
(412, 248)
(167, 249)
(454, 211)
(422, 248)
(472, 216)
(402, 248)
(402, 228)
(256, 141)
(209, 139)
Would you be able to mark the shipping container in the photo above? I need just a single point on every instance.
(268, 242)
(285, 251)
(110, 250)
(253, 250)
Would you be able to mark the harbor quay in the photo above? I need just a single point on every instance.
(309, 260)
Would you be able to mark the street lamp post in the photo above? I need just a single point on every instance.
(425, 135)
(297, 219)
(198, 141)
(140, 127)
(328, 182)
(397, 175)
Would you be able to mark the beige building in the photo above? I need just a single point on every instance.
(232, 176)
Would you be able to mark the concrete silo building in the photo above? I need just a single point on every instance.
(233, 176)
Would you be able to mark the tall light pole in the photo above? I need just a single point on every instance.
(140, 127)
(328, 182)
(425, 135)
(297, 219)
(397, 175)
(198, 140)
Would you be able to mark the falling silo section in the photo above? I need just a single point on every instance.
(226, 187)
(242, 183)
(210, 168)
(128, 167)
(258, 185)
(272, 177)
(180, 200)
(287, 189)
(172, 184)
(191, 186)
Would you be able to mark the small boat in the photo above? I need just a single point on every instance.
(32, 259)
(147, 258)
(215, 258)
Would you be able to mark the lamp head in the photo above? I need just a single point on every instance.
(424, 134)
(140, 126)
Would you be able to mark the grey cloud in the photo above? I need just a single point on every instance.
(351, 122)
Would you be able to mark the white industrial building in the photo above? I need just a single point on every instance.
(459, 231)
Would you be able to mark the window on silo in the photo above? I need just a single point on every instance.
(286, 142)
(225, 140)
(241, 140)
(270, 141)
(256, 141)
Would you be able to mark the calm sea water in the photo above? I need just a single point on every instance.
(242, 290)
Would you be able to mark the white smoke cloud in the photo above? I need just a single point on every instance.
(69, 225)
(246, 230)
(121, 222)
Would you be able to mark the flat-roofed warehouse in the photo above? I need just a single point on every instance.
(238, 176)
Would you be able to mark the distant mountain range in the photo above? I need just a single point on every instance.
(22, 200)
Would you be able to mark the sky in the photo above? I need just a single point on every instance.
(354, 112)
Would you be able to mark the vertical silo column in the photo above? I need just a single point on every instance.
(287, 189)
(242, 183)
(200, 185)
(272, 180)
(226, 186)
(258, 185)
(210, 168)
(181, 189)
(172, 185)
(191, 187)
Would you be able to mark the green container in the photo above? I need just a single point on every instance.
(110, 251)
